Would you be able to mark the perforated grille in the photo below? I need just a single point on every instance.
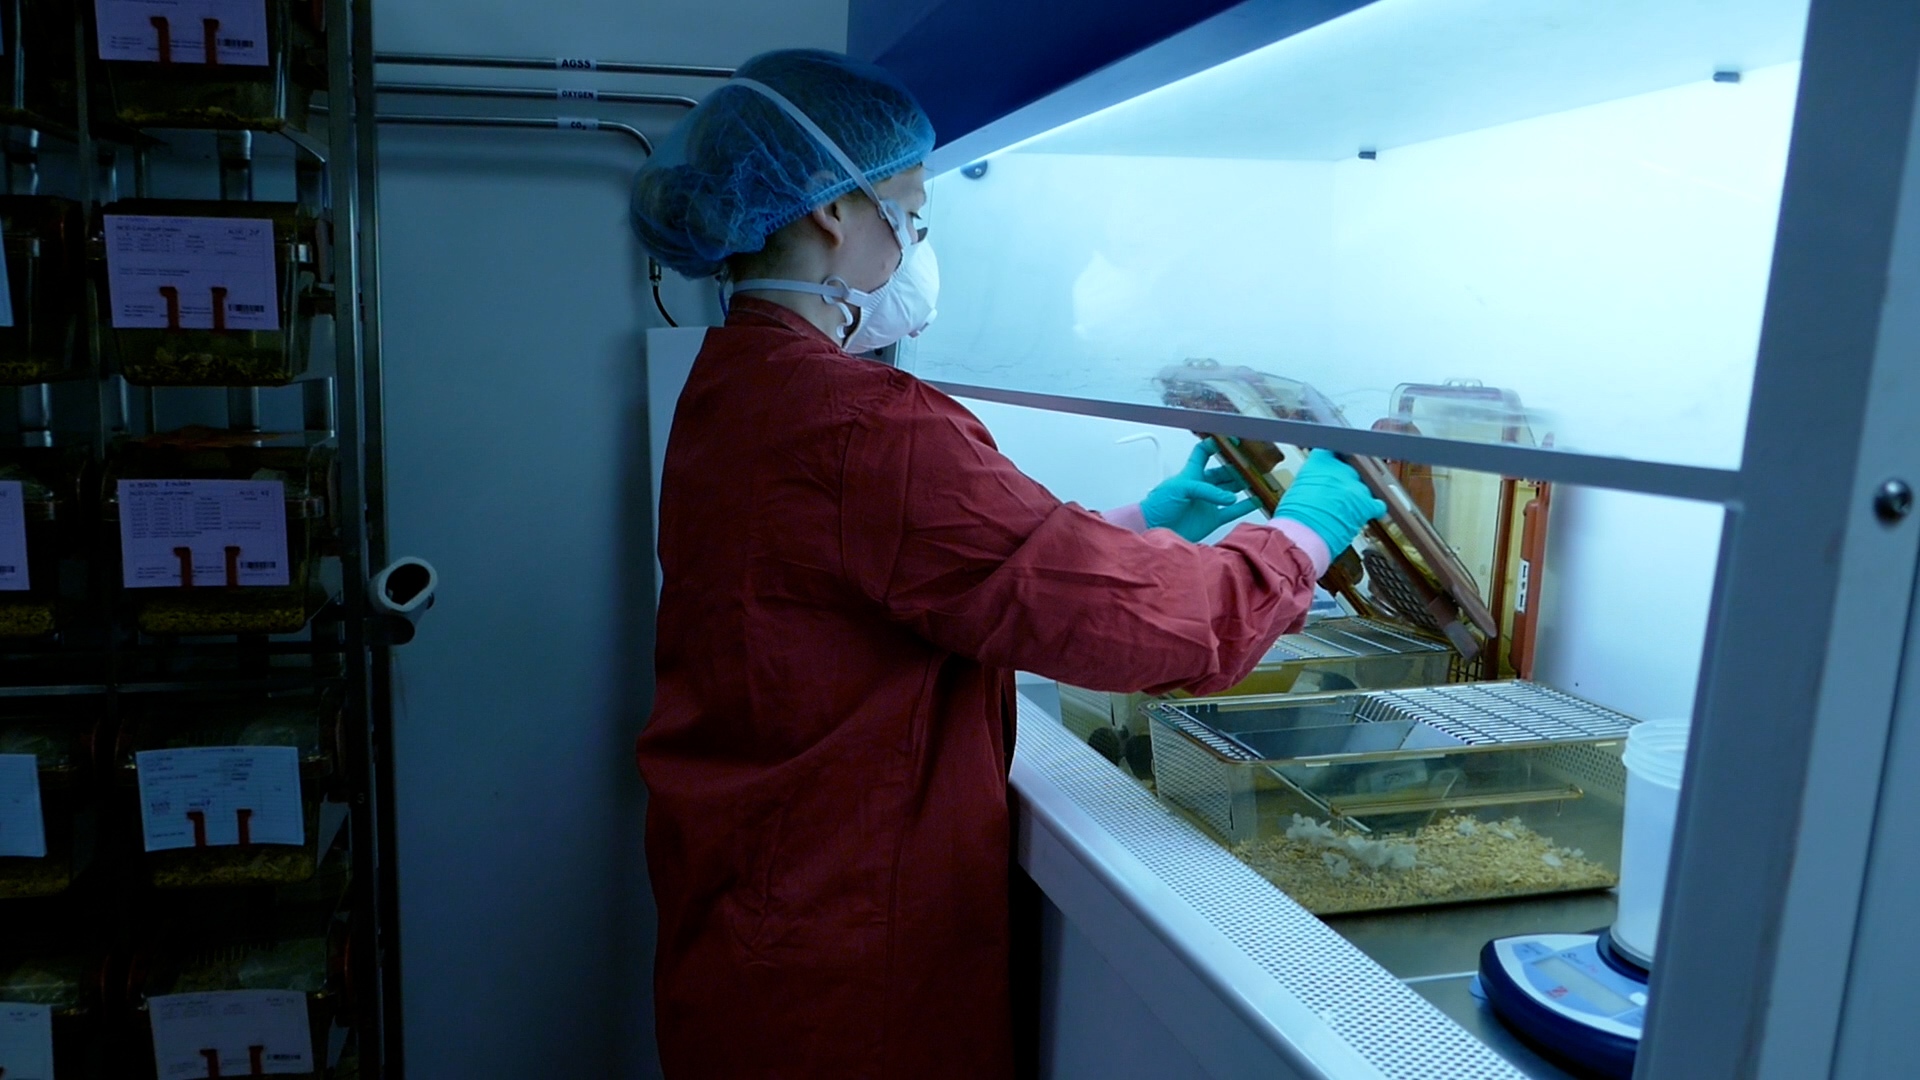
(1204, 782)
(1389, 1025)
(1349, 638)
(1597, 770)
(1203, 735)
(1505, 712)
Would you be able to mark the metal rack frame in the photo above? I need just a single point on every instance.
(356, 131)
(344, 160)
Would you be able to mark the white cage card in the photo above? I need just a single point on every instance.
(216, 796)
(26, 1041)
(203, 532)
(179, 31)
(23, 831)
(230, 1033)
(13, 536)
(191, 273)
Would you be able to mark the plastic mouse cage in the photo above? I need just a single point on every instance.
(1398, 798)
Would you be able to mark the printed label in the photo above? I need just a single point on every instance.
(228, 531)
(230, 1033)
(169, 272)
(576, 63)
(577, 93)
(23, 832)
(135, 30)
(13, 536)
(577, 123)
(216, 796)
(1526, 577)
(26, 1041)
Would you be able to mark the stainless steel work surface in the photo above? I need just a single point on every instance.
(1437, 950)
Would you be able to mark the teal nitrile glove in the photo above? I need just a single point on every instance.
(1196, 500)
(1330, 498)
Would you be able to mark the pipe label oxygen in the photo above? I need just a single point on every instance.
(577, 93)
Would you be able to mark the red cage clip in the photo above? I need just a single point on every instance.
(219, 304)
(233, 566)
(166, 37)
(212, 28)
(185, 555)
(172, 296)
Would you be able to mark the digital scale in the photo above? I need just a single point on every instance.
(1569, 995)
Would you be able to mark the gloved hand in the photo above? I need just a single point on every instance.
(1197, 500)
(1330, 498)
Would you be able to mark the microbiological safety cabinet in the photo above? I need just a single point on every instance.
(1687, 237)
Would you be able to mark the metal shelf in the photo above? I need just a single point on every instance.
(553, 63)
(1559, 466)
(332, 167)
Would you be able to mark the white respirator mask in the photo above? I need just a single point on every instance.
(900, 308)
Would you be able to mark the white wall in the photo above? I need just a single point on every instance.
(514, 308)
(1609, 263)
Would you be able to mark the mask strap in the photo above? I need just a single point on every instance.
(835, 292)
(806, 124)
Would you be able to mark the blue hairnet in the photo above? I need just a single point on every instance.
(738, 168)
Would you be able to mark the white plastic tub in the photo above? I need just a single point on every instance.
(1656, 756)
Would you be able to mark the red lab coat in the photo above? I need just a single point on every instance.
(852, 573)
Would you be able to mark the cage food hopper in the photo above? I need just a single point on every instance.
(303, 465)
(178, 355)
(1329, 654)
(60, 738)
(67, 981)
(1399, 798)
(302, 942)
(306, 720)
(50, 479)
(181, 87)
(45, 249)
(1410, 571)
(37, 64)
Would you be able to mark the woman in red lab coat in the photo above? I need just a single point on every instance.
(852, 574)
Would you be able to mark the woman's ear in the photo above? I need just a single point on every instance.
(831, 220)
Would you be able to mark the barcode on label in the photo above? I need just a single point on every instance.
(236, 43)
(251, 309)
(258, 565)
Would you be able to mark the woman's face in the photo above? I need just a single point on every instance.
(871, 253)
